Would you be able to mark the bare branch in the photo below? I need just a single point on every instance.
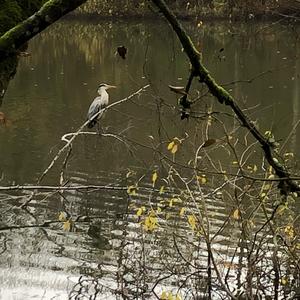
(78, 132)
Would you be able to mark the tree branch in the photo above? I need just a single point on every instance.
(74, 135)
(224, 97)
(50, 12)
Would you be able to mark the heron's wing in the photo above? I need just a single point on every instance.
(99, 103)
(94, 108)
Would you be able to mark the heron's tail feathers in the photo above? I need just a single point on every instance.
(92, 123)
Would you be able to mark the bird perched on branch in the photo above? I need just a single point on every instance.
(98, 104)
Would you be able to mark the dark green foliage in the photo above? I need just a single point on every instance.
(30, 6)
(15, 11)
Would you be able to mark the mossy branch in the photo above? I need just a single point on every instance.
(198, 69)
(50, 12)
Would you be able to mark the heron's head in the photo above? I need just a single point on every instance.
(104, 86)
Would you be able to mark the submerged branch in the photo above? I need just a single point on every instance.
(62, 188)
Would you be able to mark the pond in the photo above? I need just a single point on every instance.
(105, 252)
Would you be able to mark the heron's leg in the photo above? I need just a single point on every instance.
(98, 128)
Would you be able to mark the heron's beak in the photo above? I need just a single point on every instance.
(111, 87)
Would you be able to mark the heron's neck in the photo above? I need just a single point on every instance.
(102, 91)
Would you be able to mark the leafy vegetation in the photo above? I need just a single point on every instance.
(14, 11)
(192, 8)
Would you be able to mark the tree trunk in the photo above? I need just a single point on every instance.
(50, 12)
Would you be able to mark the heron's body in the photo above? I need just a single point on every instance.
(98, 104)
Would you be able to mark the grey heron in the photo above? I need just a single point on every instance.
(98, 104)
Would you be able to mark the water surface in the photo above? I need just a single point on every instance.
(50, 95)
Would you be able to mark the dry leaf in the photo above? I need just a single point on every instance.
(140, 211)
(162, 189)
(209, 142)
(182, 211)
(131, 190)
(174, 149)
(178, 89)
(62, 217)
(154, 178)
(236, 214)
(192, 221)
(171, 145)
(68, 225)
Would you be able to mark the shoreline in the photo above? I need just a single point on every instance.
(262, 17)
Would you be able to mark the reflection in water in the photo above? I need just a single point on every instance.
(50, 95)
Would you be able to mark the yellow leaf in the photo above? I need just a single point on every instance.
(171, 202)
(161, 190)
(250, 223)
(235, 162)
(289, 231)
(158, 210)
(236, 214)
(154, 178)
(163, 296)
(178, 297)
(202, 179)
(131, 190)
(268, 134)
(182, 210)
(140, 211)
(272, 176)
(254, 168)
(150, 223)
(68, 225)
(171, 145)
(174, 149)
(62, 216)
(281, 209)
(192, 221)
(266, 187)
(152, 213)
(170, 296)
(283, 280)
(177, 200)
(225, 176)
